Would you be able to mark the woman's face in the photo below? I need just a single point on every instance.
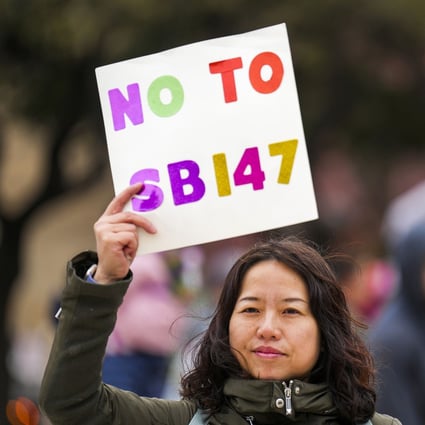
(272, 331)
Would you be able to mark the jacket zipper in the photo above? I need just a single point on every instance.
(288, 401)
(288, 397)
(250, 419)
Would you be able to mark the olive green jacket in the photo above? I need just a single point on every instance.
(72, 392)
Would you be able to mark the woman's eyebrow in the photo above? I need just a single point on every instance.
(286, 300)
(248, 298)
(295, 299)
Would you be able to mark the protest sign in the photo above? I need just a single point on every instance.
(214, 130)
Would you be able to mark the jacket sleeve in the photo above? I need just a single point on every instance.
(72, 391)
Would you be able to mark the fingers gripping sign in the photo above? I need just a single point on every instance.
(116, 233)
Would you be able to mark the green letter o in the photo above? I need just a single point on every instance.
(154, 96)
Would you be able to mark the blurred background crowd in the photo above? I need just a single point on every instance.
(360, 70)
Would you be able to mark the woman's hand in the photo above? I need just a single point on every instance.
(117, 237)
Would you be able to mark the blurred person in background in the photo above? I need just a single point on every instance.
(407, 209)
(398, 338)
(147, 332)
(368, 287)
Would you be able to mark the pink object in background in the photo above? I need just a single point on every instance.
(146, 320)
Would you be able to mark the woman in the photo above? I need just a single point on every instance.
(281, 347)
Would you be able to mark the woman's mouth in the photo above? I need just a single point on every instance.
(268, 352)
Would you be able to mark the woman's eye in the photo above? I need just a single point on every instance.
(290, 311)
(250, 310)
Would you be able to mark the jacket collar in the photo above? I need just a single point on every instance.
(269, 402)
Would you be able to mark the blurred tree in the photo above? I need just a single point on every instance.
(359, 67)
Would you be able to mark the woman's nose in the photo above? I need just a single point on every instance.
(269, 327)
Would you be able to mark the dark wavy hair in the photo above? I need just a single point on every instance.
(345, 364)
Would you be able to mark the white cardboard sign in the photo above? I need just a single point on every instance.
(214, 131)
